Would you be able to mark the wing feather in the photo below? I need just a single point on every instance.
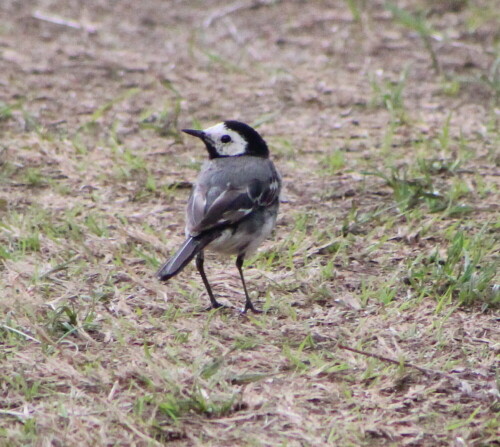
(213, 207)
(196, 208)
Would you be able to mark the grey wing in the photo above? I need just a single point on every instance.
(196, 209)
(219, 206)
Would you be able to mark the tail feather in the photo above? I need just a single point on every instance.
(189, 249)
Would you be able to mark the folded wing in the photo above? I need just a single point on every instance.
(216, 206)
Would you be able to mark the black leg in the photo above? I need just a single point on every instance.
(248, 303)
(199, 265)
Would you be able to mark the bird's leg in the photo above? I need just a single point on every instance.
(248, 303)
(200, 258)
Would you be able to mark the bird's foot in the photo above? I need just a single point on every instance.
(216, 305)
(249, 306)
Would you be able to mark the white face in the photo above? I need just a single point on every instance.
(226, 141)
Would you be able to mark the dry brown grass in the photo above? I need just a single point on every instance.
(387, 242)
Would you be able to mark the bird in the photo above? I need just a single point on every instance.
(233, 204)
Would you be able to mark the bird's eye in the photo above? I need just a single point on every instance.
(225, 139)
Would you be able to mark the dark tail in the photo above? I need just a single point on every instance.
(190, 248)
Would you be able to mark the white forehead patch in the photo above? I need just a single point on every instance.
(236, 146)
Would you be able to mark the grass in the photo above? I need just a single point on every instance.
(166, 122)
(419, 24)
(380, 289)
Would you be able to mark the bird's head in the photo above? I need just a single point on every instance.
(231, 139)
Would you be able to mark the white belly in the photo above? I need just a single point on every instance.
(230, 243)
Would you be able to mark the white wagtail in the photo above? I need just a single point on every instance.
(234, 203)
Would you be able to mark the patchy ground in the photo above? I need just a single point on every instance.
(381, 286)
